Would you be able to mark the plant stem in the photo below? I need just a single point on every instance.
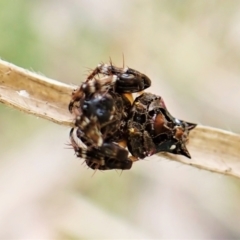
(211, 149)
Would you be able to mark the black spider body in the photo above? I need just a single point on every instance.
(152, 129)
(107, 121)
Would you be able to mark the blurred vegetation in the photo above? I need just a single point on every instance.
(190, 50)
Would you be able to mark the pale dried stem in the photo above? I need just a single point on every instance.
(35, 94)
(211, 149)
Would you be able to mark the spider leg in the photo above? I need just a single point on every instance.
(91, 129)
(115, 157)
(106, 157)
(130, 80)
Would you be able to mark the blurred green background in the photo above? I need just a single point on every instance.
(190, 50)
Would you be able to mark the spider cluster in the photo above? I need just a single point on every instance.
(112, 130)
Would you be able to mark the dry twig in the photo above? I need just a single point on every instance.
(35, 94)
(211, 149)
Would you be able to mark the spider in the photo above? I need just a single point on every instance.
(107, 119)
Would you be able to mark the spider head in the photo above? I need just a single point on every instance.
(100, 106)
